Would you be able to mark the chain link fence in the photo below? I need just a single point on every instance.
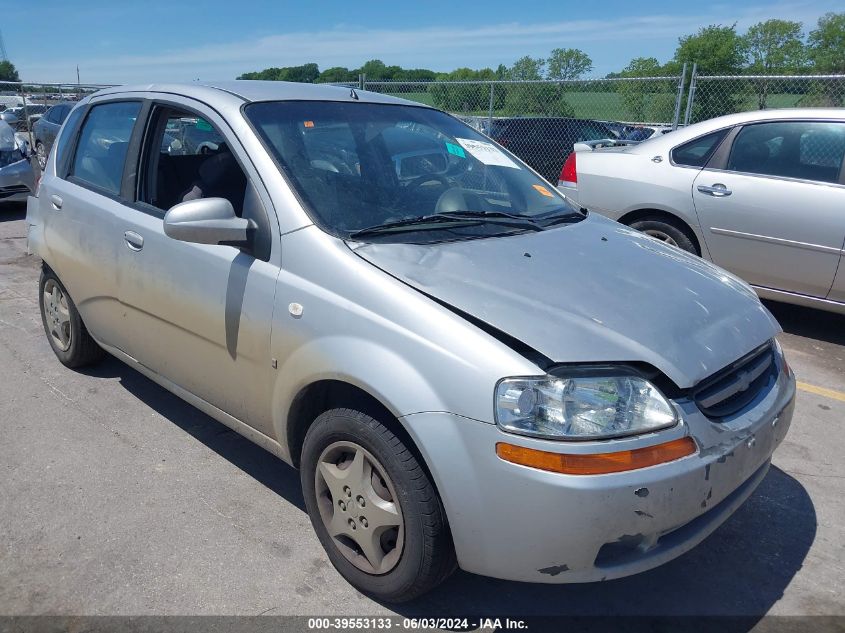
(717, 95)
(540, 121)
(22, 104)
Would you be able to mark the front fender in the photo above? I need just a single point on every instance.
(373, 368)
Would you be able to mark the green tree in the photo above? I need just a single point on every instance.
(773, 46)
(718, 50)
(826, 44)
(8, 72)
(375, 70)
(337, 74)
(467, 97)
(646, 100)
(568, 63)
(526, 69)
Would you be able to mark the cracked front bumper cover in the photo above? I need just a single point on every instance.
(519, 523)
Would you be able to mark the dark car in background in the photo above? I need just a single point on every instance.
(46, 129)
(545, 142)
(17, 117)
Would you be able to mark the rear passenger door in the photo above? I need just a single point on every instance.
(81, 205)
(200, 315)
(773, 209)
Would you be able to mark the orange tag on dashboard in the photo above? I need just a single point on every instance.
(309, 124)
(543, 191)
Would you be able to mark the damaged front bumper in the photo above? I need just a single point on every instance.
(519, 523)
(17, 181)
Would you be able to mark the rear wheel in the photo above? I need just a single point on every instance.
(65, 330)
(373, 507)
(667, 230)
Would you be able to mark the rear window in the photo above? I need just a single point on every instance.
(697, 152)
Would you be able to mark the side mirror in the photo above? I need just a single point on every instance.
(208, 221)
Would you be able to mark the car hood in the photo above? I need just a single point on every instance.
(594, 291)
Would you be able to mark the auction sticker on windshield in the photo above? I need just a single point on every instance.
(487, 153)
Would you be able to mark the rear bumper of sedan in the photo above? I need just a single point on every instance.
(519, 523)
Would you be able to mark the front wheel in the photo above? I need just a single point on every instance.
(374, 507)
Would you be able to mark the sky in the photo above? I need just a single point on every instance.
(125, 41)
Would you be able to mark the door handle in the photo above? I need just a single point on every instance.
(133, 241)
(718, 190)
(57, 201)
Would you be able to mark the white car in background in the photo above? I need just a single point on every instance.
(761, 194)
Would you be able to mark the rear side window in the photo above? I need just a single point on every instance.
(103, 143)
(52, 114)
(809, 150)
(65, 136)
(697, 152)
(61, 113)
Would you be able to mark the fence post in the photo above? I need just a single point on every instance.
(490, 110)
(679, 97)
(26, 117)
(691, 96)
(362, 81)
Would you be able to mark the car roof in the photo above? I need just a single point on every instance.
(681, 135)
(214, 92)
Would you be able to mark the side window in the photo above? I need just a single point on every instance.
(51, 114)
(62, 113)
(189, 159)
(65, 137)
(103, 143)
(809, 150)
(698, 151)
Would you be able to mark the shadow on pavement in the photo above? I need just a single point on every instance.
(259, 464)
(809, 322)
(740, 570)
(12, 211)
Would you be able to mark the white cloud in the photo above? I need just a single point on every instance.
(610, 42)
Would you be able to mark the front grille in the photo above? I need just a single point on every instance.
(736, 386)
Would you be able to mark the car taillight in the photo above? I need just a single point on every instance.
(569, 173)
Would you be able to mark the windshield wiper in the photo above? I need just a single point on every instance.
(455, 218)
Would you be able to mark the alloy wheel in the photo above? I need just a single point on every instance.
(41, 155)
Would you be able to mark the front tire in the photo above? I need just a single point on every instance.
(63, 326)
(374, 508)
(668, 231)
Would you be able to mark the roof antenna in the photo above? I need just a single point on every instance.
(353, 94)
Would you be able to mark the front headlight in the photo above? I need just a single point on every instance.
(581, 407)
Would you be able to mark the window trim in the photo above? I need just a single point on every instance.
(722, 167)
(724, 130)
(69, 177)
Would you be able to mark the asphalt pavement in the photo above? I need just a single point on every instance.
(117, 498)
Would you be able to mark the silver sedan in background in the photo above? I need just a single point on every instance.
(761, 194)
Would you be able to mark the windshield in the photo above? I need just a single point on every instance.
(402, 169)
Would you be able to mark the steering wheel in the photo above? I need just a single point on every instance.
(421, 180)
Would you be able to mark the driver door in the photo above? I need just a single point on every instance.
(200, 315)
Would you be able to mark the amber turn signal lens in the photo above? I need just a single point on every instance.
(596, 463)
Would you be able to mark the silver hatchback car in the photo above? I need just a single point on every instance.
(466, 369)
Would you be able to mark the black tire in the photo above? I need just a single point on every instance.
(427, 555)
(81, 349)
(667, 230)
